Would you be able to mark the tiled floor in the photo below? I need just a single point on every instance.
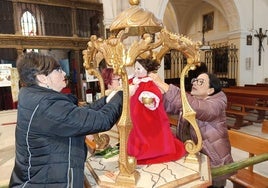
(7, 129)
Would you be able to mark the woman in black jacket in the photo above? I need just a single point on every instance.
(51, 128)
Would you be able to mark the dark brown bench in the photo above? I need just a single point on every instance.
(257, 85)
(236, 107)
(262, 100)
(240, 106)
(262, 84)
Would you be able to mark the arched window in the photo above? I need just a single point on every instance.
(28, 24)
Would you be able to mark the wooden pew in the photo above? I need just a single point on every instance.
(247, 97)
(240, 106)
(254, 146)
(262, 101)
(262, 84)
(257, 86)
(236, 108)
(244, 91)
(250, 87)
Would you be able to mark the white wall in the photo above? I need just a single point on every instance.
(233, 21)
(252, 16)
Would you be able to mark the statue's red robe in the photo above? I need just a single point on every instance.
(151, 140)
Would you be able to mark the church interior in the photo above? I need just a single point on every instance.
(232, 43)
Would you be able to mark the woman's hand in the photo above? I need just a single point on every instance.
(159, 82)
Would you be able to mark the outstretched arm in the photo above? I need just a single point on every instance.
(159, 82)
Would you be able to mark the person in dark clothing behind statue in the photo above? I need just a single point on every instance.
(51, 128)
(112, 82)
(209, 103)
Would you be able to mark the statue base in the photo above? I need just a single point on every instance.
(101, 172)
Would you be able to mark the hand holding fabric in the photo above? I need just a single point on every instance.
(159, 82)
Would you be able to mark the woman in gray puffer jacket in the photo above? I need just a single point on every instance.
(209, 103)
(51, 128)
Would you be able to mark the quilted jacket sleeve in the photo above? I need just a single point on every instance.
(206, 109)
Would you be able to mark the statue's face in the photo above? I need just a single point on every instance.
(140, 70)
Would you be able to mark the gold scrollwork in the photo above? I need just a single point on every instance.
(153, 41)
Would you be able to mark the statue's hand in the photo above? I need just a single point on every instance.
(150, 106)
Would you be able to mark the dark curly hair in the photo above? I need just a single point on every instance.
(214, 82)
(31, 64)
(149, 64)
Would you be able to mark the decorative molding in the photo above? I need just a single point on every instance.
(42, 42)
(67, 3)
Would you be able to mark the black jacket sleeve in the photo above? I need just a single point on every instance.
(63, 118)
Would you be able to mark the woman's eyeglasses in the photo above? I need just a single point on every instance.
(199, 81)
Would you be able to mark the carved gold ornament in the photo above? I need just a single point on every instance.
(154, 41)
